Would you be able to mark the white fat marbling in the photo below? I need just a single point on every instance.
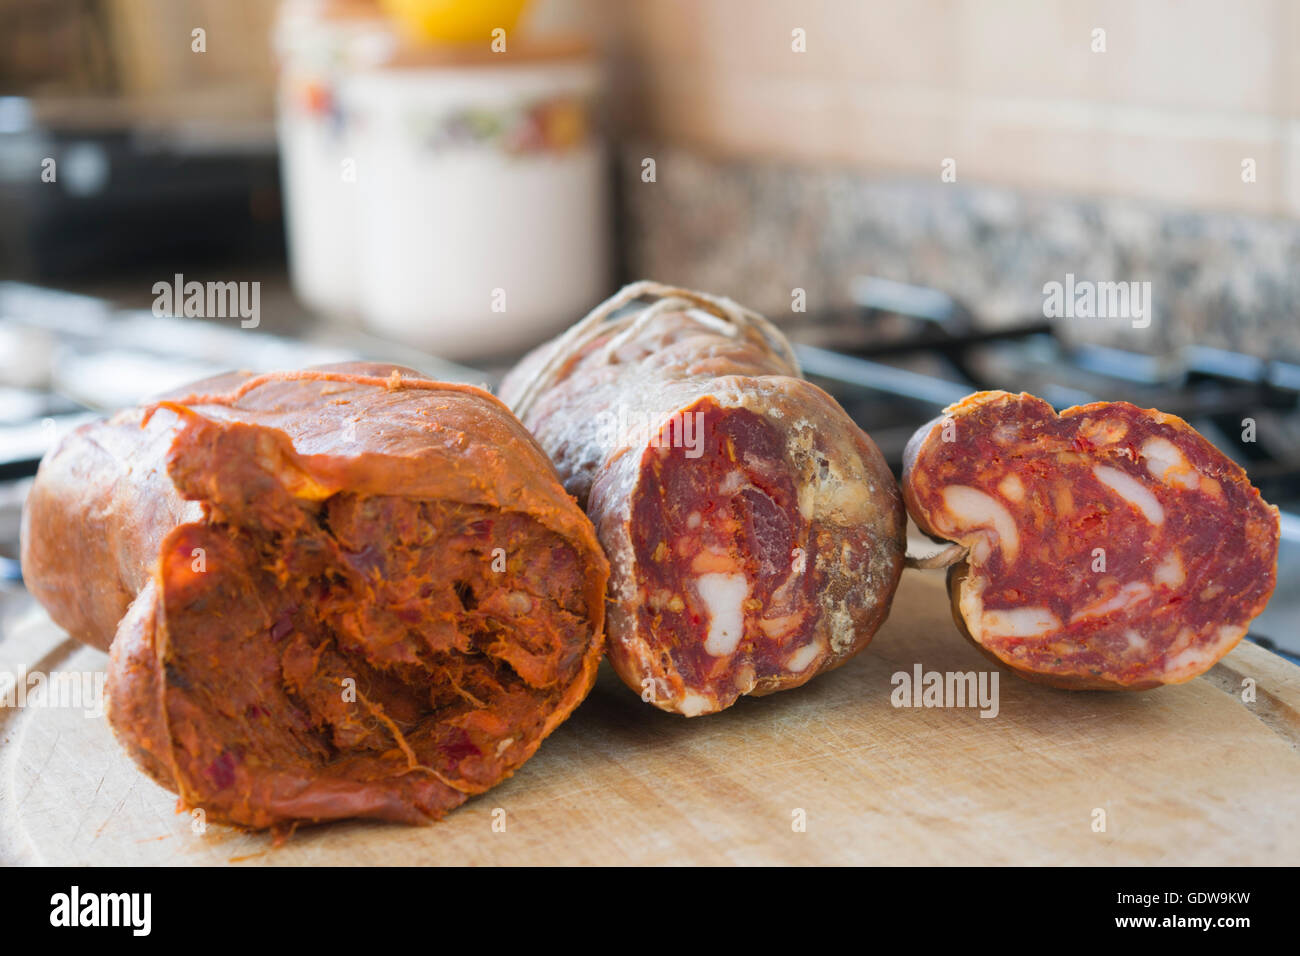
(693, 704)
(1167, 463)
(1131, 593)
(1019, 622)
(1136, 642)
(1012, 488)
(801, 658)
(723, 595)
(1132, 491)
(733, 482)
(1169, 572)
(969, 508)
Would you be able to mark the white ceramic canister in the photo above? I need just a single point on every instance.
(483, 217)
(317, 42)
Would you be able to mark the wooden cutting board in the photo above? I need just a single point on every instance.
(1181, 775)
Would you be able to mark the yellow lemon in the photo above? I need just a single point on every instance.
(455, 21)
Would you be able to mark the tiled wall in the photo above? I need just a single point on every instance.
(1009, 89)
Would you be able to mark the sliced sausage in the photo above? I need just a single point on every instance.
(1108, 547)
(755, 534)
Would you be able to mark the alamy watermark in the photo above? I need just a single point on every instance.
(680, 430)
(74, 908)
(1084, 299)
(70, 690)
(922, 688)
(209, 300)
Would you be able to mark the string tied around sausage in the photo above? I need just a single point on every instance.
(943, 558)
(717, 313)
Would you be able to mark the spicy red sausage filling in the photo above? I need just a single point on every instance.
(1109, 546)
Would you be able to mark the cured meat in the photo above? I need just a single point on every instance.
(755, 534)
(1109, 547)
(352, 592)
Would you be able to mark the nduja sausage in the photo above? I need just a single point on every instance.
(352, 592)
(1109, 547)
(755, 534)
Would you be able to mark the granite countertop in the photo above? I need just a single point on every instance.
(755, 232)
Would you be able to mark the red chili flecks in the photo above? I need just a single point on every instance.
(461, 749)
(222, 771)
(283, 625)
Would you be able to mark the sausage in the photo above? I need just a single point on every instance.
(342, 592)
(1109, 547)
(755, 534)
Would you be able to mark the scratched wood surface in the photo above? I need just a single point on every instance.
(1187, 774)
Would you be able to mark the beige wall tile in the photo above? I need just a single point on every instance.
(747, 114)
(1009, 88)
(1291, 170)
(1202, 54)
(1203, 171)
(1288, 55)
(911, 131)
(894, 43)
(1027, 48)
(1206, 55)
(758, 37)
(664, 30)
